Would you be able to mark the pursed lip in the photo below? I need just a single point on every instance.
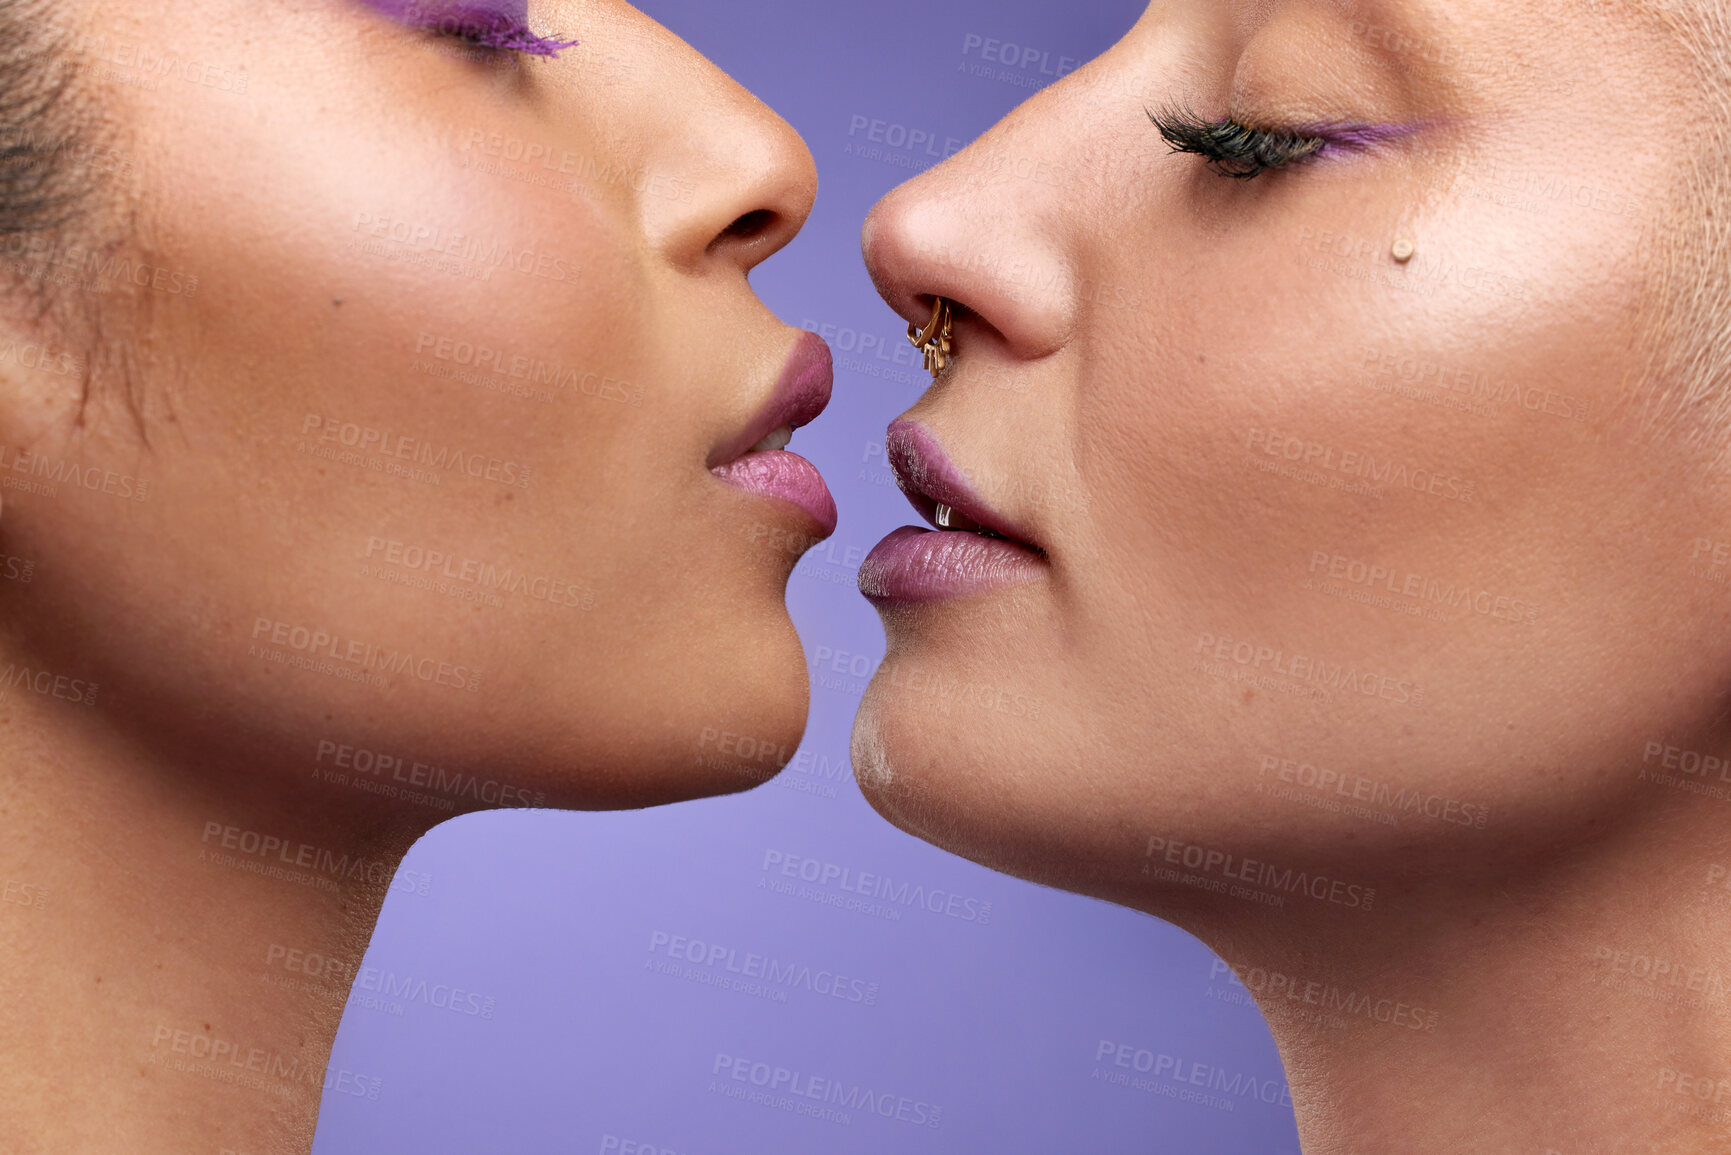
(800, 395)
(928, 478)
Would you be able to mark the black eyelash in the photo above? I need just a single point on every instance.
(1233, 149)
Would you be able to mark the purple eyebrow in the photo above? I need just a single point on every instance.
(492, 23)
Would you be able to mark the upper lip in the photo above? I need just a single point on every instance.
(929, 478)
(800, 395)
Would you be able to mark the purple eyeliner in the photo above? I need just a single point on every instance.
(1355, 135)
(501, 24)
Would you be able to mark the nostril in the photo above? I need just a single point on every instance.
(750, 226)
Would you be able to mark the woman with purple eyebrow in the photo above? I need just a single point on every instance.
(387, 432)
(1349, 584)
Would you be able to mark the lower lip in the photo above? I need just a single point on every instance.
(787, 476)
(921, 565)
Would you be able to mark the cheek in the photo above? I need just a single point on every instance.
(1365, 503)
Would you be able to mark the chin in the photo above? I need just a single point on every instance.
(722, 711)
(751, 716)
(976, 779)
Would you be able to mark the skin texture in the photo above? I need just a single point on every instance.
(370, 203)
(1183, 689)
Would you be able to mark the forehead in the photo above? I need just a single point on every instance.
(1466, 19)
(1464, 42)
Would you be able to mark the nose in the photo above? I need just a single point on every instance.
(745, 182)
(987, 230)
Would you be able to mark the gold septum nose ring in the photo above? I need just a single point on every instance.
(934, 339)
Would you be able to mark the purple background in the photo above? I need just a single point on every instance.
(996, 1019)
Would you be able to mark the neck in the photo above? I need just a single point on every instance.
(178, 943)
(1576, 1003)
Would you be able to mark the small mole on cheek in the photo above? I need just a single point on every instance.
(336, 300)
(503, 497)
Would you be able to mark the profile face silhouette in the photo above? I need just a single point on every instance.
(1344, 579)
(388, 431)
(422, 368)
(1317, 473)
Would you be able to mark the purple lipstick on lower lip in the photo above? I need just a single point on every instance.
(921, 565)
(788, 476)
(916, 565)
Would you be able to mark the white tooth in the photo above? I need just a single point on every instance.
(776, 440)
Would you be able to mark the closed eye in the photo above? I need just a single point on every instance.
(483, 28)
(1232, 148)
